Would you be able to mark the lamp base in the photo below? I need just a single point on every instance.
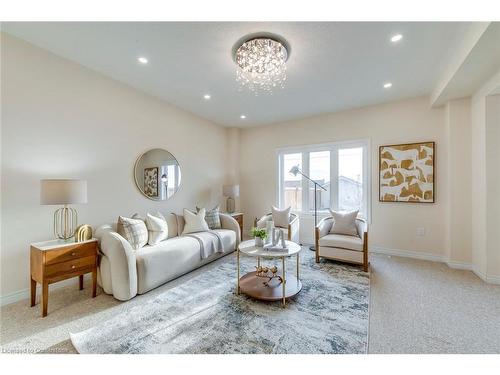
(312, 248)
(230, 205)
(65, 222)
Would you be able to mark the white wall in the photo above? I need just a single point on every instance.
(393, 225)
(485, 161)
(60, 119)
(459, 184)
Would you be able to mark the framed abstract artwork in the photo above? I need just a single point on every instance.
(151, 182)
(406, 173)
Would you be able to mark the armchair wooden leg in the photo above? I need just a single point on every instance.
(365, 252)
(316, 244)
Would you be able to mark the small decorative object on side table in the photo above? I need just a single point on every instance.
(238, 216)
(57, 260)
(259, 235)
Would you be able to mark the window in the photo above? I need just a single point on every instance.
(341, 168)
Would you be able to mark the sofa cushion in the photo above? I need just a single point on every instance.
(134, 231)
(212, 217)
(342, 241)
(165, 261)
(157, 228)
(194, 222)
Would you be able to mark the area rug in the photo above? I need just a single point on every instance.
(205, 315)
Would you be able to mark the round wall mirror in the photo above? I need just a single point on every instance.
(157, 174)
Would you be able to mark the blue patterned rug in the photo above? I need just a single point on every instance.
(204, 315)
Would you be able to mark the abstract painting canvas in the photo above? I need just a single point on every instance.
(151, 182)
(406, 173)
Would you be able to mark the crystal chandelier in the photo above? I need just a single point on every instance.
(261, 65)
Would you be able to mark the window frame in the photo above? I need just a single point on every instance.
(333, 147)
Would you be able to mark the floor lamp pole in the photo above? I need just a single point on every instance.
(296, 170)
(313, 247)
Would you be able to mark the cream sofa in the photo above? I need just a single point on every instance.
(124, 272)
(291, 231)
(350, 249)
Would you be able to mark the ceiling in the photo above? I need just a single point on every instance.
(332, 65)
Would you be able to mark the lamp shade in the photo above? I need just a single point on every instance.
(295, 170)
(231, 191)
(63, 191)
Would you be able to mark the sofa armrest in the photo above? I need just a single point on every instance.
(324, 226)
(122, 262)
(229, 222)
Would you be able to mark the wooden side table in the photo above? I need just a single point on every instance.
(238, 216)
(57, 260)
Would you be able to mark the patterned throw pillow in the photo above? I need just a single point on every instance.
(212, 217)
(134, 231)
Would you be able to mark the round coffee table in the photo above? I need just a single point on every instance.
(268, 286)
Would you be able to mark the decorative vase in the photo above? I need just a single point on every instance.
(259, 242)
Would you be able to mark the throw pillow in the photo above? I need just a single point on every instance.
(344, 223)
(194, 222)
(212, 217)
(157, 228)
(134, 231)
(281, 218)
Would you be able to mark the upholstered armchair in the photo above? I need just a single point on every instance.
(350, 249)
(291, 231)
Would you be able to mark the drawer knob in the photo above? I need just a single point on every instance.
(73, 267)
(73, 254)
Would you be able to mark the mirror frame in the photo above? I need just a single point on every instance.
(137, 182)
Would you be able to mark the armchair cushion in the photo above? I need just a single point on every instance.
(344, 223)
(281, 217)
(342, 241)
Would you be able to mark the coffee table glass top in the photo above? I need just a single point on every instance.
(248, 248)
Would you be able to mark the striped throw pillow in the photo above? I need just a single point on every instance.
(212, 217)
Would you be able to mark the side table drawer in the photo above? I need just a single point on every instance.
(70, 266)
(70, 252)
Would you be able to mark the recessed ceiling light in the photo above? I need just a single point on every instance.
(142, 60)
(387, 85)
(206, 96)
(396, 38)
(243, 117)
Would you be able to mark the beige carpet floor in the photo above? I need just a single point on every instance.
(415, 307)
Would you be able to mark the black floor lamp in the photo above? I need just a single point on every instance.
(295, 171)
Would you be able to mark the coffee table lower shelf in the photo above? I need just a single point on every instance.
(253, 286)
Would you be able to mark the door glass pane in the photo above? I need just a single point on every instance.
(319, 168)
(292, 185)
(351, 179)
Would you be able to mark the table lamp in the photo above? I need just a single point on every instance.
(63, 192)
(231, 192)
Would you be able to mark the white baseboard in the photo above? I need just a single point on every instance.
(491, 279)
(459, 265)
(407, 254)
(25, 294)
